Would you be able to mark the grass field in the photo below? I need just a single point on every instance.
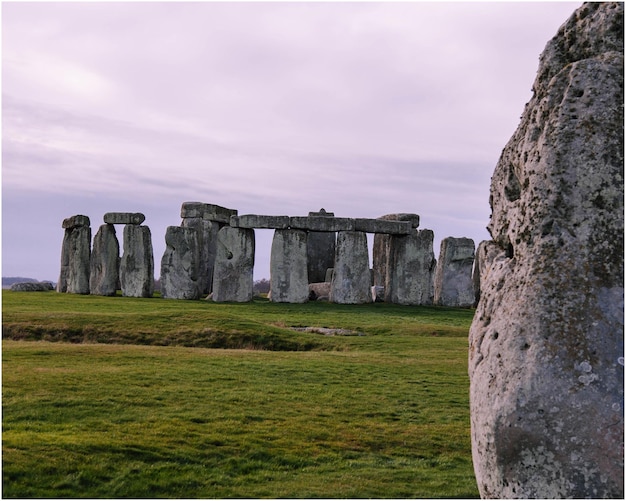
(152, 398)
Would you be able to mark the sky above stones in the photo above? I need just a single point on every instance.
(362, 109)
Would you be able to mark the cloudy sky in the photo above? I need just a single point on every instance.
(363, 109)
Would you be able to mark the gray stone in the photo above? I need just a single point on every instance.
(234, 265)
(75, 222)
(328, 277)
(546, 343)
(351, 279)
(486, 252)
(32, 287)
(380, 251)
(403, 216)
(180, 264)
(75, 256)
(381, 226)
(411, 269)
(124, 218)
(207, 244)
(209, 212)
(453, 275)
(105, 262)
(256, 221)
(378, 293)
(321, 223)
(320, 250)
(319, 291)
(288, 267)
(137, 263)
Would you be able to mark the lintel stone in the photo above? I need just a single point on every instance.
(124, 218)
(321, 223)
(209, 212)
(403, 216)
(255, 221)
(75, 222)
(381, 226)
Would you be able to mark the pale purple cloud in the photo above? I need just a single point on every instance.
(279, 108)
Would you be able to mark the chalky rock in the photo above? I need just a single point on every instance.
(319, 291)
(124, 218)
(137, 263)
(180, 264)
(234, 265)
(351, 279)
(546, 343)
(288, 268)
(453, 274)
(75, 256)
(411, 269)
(320, 250)
(105, 262)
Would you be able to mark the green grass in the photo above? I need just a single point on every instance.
(383, 414)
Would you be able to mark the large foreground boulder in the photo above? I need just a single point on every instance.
(546, 344)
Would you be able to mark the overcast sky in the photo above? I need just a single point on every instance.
(363, 109)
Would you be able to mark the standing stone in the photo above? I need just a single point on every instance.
(105, 262)
(320, 250)
(137, 264)
(453, 276)
(351, 279)
(75, 256)
(486, 252)
(234, 265)
(180, 264)
(207, 249)
(411, 269)
(288, 267)
(380, 250)
(546, 343)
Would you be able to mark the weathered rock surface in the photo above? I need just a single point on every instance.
(32, 286)
(210, 212)
(105, 262)
(75, 256)
(207, 243)
(180, 264)
(351, 280)
(259, 221)
(124, 218)
(288, 267)
(319, 291)
(453, 275)
(411, 269)
(546, 344)
(486, 252)
(137, 263)
(380, 251)
(234, 265)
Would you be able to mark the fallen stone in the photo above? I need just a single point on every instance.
(546, 359)
(124, 218)
(137, 263)
(104, 278)
(32, 286)
(234, 265)
(180, 264)
(453, 275)
(319, 290)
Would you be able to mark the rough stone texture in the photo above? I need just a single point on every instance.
(381, 226)
(210, 212)
(453, 275)
(104, 278)
(546, 343)
(378, 293)
(180, 264)
(75, 256)
(234, 265)
(137, 263)
(32, 287)
(486, 252)
(207, 244)
(288, 267)
(351, 279)
(124, 218)
(411, 269)
(380, 251)
(320, 250)
(259, 221)
(319, 291)
(321, 223)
